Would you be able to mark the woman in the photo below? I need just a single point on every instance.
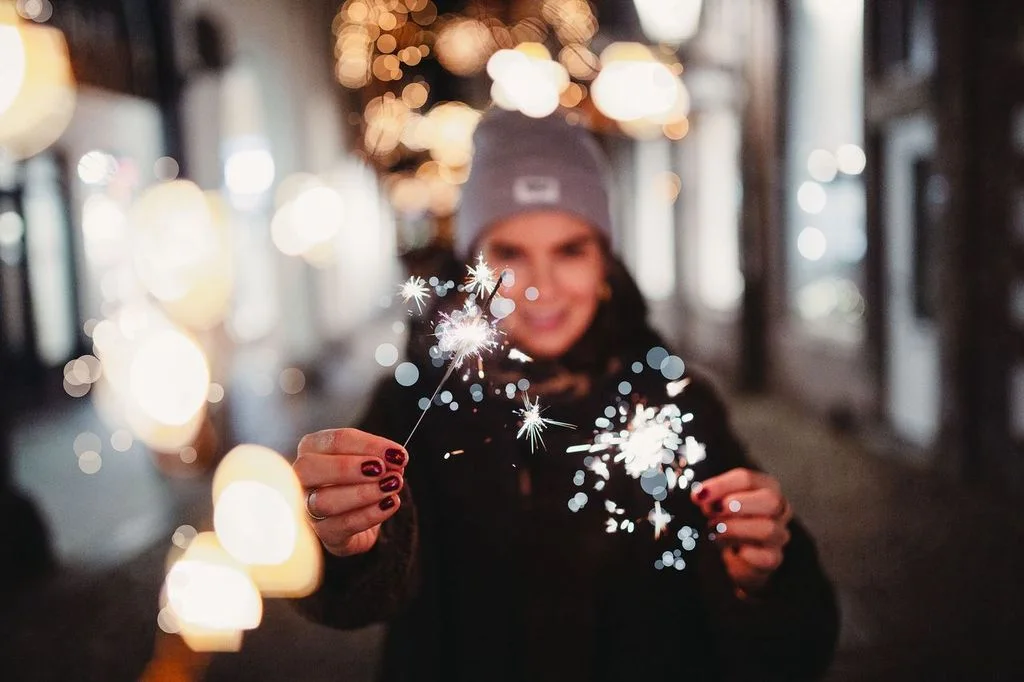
(464, 544)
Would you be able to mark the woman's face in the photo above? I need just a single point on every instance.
(559, 271)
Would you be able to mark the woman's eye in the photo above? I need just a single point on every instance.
(504, 253)
(573, 250)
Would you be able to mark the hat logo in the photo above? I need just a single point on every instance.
(536, 189)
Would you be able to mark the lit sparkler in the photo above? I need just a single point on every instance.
(415, 289)
(481, 277)
(650, 445)
(534, 424)
(464, 333)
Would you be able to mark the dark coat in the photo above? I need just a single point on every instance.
(486, 574)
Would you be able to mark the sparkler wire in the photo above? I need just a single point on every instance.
(453, 363)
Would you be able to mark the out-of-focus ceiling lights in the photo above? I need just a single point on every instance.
(671, 22)
(634, 86)
(527, 80)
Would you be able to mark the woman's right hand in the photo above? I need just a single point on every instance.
(352, 479)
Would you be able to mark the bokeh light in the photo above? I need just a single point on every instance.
(259, 517)
(811, 197)
(634, 85)
(212, 597)
(170, 378)
(37, 88)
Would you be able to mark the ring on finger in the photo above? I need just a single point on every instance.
(310, 496)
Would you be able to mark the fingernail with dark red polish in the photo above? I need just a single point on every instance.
(717, 507)
(702, 494)
(387, 503)
(389, 484)
(372, 468)
(395, 456)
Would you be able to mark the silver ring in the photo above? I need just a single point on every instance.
(309, 512)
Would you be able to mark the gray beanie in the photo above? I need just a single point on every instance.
(525, 164)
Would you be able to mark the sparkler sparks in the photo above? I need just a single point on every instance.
(660, 519)
(534, 424)
(481, 277)
(415, 289)
(516, 354)
(465, 333)
(650, 445)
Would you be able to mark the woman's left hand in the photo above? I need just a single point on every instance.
(747, 518)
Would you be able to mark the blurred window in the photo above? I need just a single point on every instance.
(824, 201)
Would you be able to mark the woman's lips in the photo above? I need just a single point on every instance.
(543, 322)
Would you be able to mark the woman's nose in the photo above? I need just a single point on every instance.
(541, 278)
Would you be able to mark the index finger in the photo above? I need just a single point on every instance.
(733, 481)
(353, 442)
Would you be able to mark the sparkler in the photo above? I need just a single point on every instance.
(481, 277)
(464, 333)
(415, 289)
(534, 424)
(650, 444)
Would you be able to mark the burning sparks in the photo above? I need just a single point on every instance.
(650, 444)
(534, 424)
(481, 278)
(516, 354)
(415, 289)
(465, 333)
(659, 518)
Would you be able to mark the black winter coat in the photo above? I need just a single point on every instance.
(485, 573)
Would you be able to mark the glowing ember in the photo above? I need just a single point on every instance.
(660, 519)
(415, 289)
(516, 354)
(534, 424)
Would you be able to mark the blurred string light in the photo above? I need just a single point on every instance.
(210, 598)
(463, 45)
(811, 197)
(811, 243)
(830, 297)
(37, 87)
(259, 518)
(851, 159)
(669, 21)
(822, 165)
(154, 379)
(182, 251)
(639, 90)
(309, 215)
(248, 168)
(527, 80)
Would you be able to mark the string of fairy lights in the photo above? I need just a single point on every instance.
(538, 56)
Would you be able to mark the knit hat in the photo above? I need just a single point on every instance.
(523, 164)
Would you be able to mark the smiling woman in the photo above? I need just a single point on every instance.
(480, 549)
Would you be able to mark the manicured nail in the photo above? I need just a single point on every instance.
(372, 468)
(389, 484)
(395, 456)
(387, 503)
(717, 507)
(702, 494)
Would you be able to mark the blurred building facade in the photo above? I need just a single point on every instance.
(838, 222)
